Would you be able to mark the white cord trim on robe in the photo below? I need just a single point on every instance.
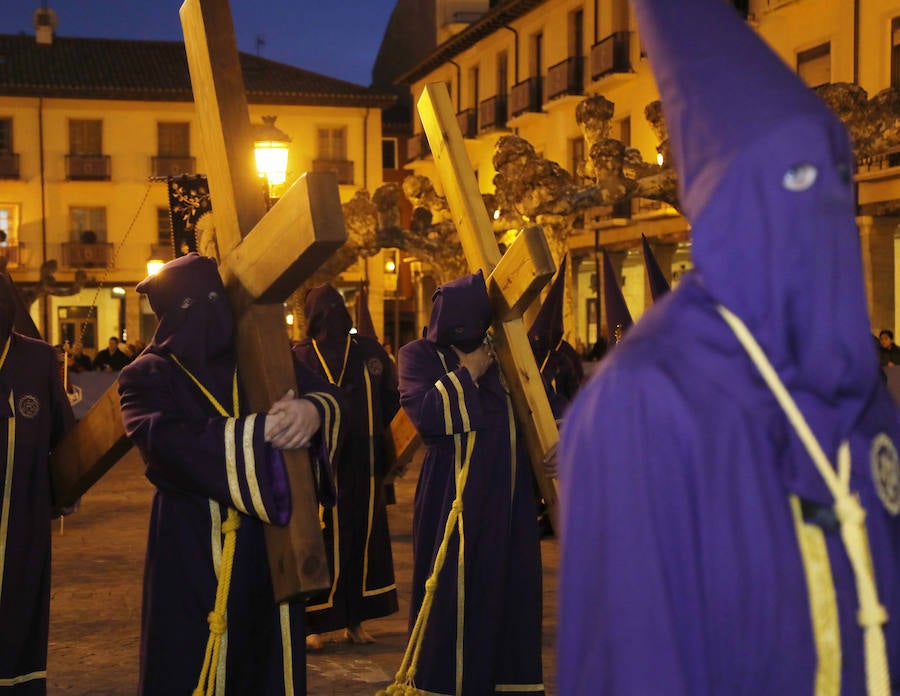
(850, 513)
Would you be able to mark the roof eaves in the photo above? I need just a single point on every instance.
(452, 47)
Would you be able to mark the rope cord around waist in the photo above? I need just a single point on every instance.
(850, 513)
(218, 617)
(404, 680)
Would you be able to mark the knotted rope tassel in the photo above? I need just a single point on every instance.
(850, 513)
(404, 680)
(218, 624)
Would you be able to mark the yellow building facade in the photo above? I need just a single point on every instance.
(85, 151)
(522, 67)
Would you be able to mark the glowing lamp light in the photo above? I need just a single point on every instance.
(289, 319)
(660, 159)
(270, 145)
(353, 331)
(118, 291)
(154, 266)
(390, 266)
(497, 214)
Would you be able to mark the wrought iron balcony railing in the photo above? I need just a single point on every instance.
(417, 147)
(611, 55)
(492, 112)
(468, 122)
(566, 78)
(343, 169)
(87, 167)
(526, 96)
(78, 255)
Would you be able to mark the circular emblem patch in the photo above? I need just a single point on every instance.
(374, 366)
(886, 472)
(29, 406)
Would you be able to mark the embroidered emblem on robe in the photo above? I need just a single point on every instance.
(29, 406)
(886, 472)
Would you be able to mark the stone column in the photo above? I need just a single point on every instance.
(876, 236)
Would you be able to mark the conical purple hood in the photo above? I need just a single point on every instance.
(327, 318)
(617, 313)
(460, 313)
(547, 329)
(659, 286)
(364, 324)
(765, 179)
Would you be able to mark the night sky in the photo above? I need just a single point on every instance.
(339, 38)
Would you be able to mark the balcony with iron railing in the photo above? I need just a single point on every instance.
(566, 78)
(526, 97)
(611, 55)
(878, 182)
(88, 167)
(417, 147)
(164, 165)
(342, 168)
(9, 165)
(877, 162)
(492, 113)
(81, 255)
(468, 123)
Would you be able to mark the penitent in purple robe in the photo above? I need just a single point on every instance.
(35, 414)
(484, 629)
(357, 538)
(688, 499)
(203, 463)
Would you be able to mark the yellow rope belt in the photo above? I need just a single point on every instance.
(850, 514)
(404, 680)
(217, 619)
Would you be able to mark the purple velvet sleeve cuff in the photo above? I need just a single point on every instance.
(281, 492)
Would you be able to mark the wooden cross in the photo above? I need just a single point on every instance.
(284, 247)
(513, 280)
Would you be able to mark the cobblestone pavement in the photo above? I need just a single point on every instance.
(95, 605)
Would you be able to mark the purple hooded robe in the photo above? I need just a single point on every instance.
(35, 414)
(484, 630)
(681, 571)
(203, 463)
(357, 538)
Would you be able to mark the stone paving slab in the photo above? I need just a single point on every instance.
(95, 606)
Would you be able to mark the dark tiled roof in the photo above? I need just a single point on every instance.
(491, 21)
(155, 71)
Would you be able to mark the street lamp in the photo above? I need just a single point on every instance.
(270, 144)
(154, 266)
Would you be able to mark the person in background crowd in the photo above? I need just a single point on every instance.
(111, 358)
(888, 351)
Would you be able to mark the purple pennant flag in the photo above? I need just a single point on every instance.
(618, 318)
(659, 286)
(364, 324)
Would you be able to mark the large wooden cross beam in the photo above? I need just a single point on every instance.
(514, 280)
(286, 245)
